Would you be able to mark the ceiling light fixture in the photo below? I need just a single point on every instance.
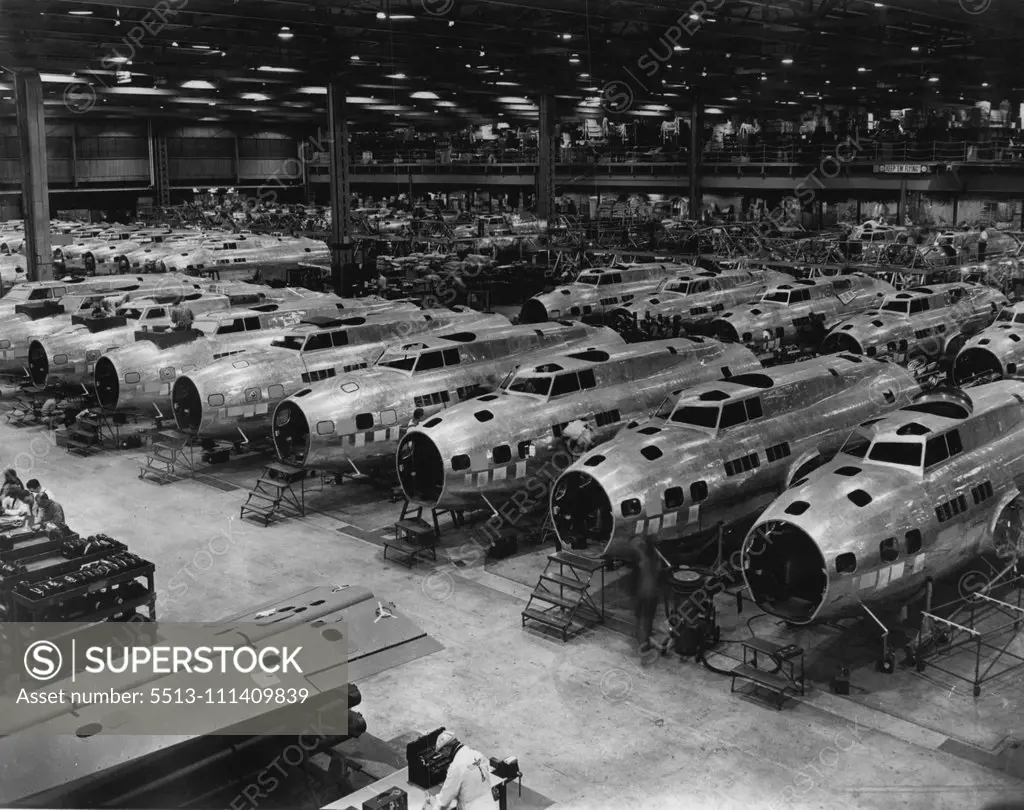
(197, 84)
(271, 69)
(395, 76)
(915, 48)
(862, 70)
(424, 94)
(933, 78)
(787, 61)
(81, 13)
(285, 33)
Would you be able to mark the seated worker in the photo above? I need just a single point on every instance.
(17, 503)
(35, 490)
(11, 482)
(468, 784)
(49, 514)
(181, 318)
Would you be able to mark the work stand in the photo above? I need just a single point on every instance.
(562, 599)
(783, 678)
(171, 457)
(415, 538)
(279, 492)
(92, 429)
(987, 621)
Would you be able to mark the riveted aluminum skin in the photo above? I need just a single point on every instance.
(869, 528)
(521, 442)
(709, 458)
(359, 418)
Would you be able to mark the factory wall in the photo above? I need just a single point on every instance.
(107, 153)
(216, 155)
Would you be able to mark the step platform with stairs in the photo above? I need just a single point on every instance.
(171, 457)
(785, 676)
(414, 537)
(279, 492)
(562, 600)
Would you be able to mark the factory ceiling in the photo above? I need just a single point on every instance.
(442, 64)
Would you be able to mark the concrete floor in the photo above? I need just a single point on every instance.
(592, 727)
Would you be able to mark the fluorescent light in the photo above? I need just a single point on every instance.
(584, 75)
(933, 78)
(285, 33)
(118, 60)
(680, 48)
(424, 94)
(514, 100)
(787, 61)
(984, 84)
(354, 58)
(574, 60)
(915, 48)
(197, 84)
(382, 16)
(730, 98)
(395, 76)
(255, 97)
(313, 91)
(713, 111)
(388, 107)
(138, 91)
(445, 104)
(523, 107)
(189, 100)
(566, 36)
(201, 47)
(270, 69)
(82, 13)
(362, 100)
(58, 78)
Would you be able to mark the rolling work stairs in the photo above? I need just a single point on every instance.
(171, 457)
(279, 492)
(562, 598)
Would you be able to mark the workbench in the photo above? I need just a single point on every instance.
(417, 795)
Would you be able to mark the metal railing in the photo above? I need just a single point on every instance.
(858, 152)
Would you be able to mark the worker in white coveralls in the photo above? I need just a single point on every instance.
(468, 784)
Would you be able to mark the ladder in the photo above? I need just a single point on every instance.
(87, 433)
(171, 457)
(163, 178)
(274, 494)
(562, 598)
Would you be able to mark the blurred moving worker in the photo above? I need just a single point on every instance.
(468, 784)
(182, 318)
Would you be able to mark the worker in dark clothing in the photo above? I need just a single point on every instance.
(644, 580)
(182, 318)
(49, 514)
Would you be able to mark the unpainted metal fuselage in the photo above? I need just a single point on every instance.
(928, 321)
(140, 376)
(358, 419)
(719, 452)
(801, 312)
(699, 296)
(491, 446)
(912, 497)
(997, 351)
(597, 292)
(235, 396)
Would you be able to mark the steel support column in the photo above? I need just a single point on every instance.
(901, 209)
(35, 190)
(696, 157)
(341, 195)
(546, 157)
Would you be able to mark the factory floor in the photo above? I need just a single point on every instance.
(592, 726)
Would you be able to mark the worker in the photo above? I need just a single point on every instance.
(468, 783)
(644, 582)
(11, 482)
(35, 489)
(182, 318)
(17, 503)
(382, 284)
(982, 244)
(49, 514)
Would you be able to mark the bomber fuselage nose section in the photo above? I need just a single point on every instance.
(187, 405)
(38, 364)
(785, 571)
(533, 311)
(107, 384)
(581, 511)
(420, 469)
(291, 433)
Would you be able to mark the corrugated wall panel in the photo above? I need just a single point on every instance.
(132, 170)
(200, 169)
(59, 171)
(272, 171)
(10, 171)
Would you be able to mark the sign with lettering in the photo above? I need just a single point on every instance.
(902, 168)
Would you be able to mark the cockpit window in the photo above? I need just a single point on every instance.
(902, 307)
(697, 415)
(1019, 318)
(857, 445)
(157, 312)
(430, 361)
(539, 386)
(777, 297)
(588, 279)
(289, 342)
(1008, 316)
(402, 364)
(907, 454)
(315, 343)
(610, 278)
